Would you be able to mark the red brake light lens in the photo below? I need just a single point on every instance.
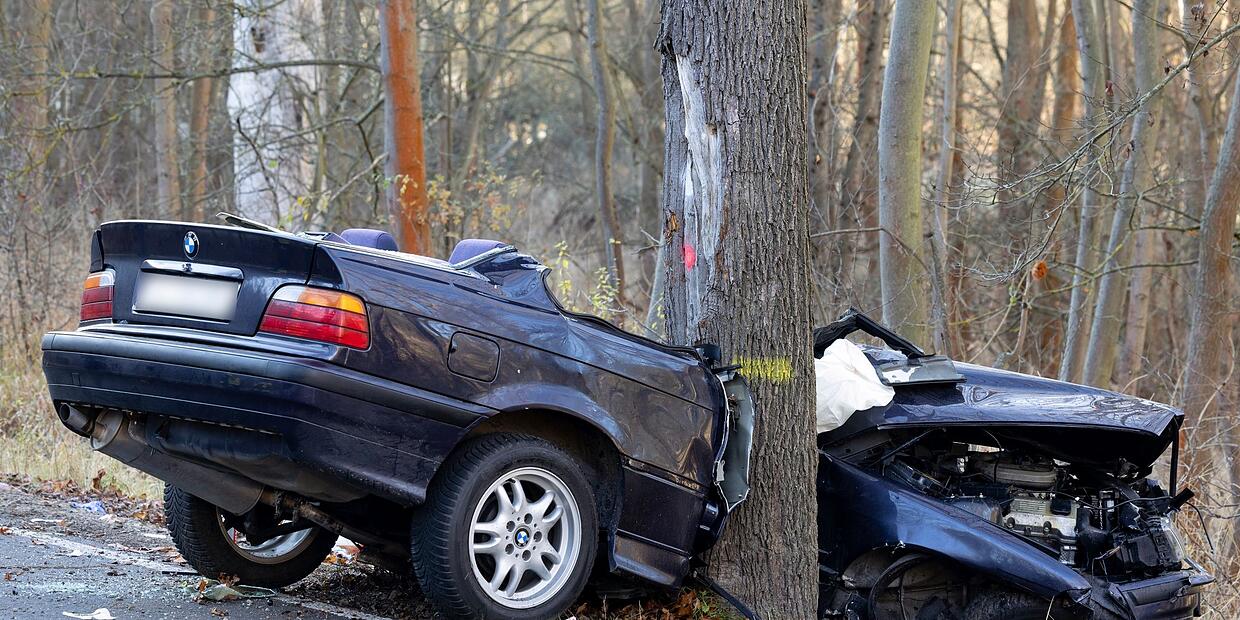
(97, 296)
(317, 314)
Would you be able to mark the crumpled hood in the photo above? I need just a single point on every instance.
(1070, 422)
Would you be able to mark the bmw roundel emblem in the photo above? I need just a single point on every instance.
(190, 244)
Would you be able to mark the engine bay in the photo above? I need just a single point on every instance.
(1114, 524)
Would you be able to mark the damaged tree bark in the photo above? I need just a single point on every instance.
(737, 221)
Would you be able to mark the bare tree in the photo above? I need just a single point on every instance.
(167, 155)
(1140, 153)
(737, 197)
(1093, 79)
(941, 297)
(604, 140)
(407, 200)
(901, 268)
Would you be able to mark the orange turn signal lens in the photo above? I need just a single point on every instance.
(323, 297)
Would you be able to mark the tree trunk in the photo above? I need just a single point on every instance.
(1207, 365)
(941, 298)
(604, 140)
(1141, 151)
(1211, 310)
(202, 96)
(167, 162)
(1201, 108)
(402, 121)
(1093, 78)
(1018, 118)
(858, 175)
(901, 269)
(738, 218)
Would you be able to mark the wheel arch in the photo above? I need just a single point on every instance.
(581, 438)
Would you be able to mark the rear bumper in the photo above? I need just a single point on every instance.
(1172, 596)
(369, 433)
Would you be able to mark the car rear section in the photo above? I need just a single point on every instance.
(216, 358)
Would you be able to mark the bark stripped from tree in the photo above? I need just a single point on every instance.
(402, 119)
(604, 140)
(902, 263)
(737, 218)
(1139, 152)
(167, 157)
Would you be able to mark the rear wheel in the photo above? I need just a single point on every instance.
(208, 539)
(508, 530)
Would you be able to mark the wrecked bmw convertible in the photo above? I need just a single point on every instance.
(451, 416)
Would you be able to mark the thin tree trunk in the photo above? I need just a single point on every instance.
(901, 269)
(1093, 77)
(604, 140)
(858, 175)
(1141, 150)
(1201, 109)
(1206, 370)
(167, 162)
(738, 203)
(941, 298)
(402, 121)
(202, 97)
(1017, 117)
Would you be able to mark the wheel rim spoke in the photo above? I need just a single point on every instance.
(516, 557)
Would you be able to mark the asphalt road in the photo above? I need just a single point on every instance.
(55, 558)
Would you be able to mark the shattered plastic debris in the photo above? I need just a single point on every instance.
(94, 506)
(99, 614)
(215, 591)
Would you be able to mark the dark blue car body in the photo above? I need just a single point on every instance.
(455, 350)
(480, 345)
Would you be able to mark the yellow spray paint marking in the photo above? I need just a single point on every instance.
(769, 369)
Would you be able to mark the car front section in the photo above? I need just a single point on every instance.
(984, 494)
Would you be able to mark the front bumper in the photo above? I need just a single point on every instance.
(1170, 596)
(369, 433)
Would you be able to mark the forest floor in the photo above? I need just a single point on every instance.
(65, 548)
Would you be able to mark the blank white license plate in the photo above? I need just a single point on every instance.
(185, 296)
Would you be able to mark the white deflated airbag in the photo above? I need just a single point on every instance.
(846, 383)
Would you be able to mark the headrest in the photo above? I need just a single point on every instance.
(469, 248)
(370, 238)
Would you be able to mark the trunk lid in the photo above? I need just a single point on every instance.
(215, 278)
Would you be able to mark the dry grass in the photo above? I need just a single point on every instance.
(34, 443)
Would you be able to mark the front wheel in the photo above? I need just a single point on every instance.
(508, 530)
(205, 538)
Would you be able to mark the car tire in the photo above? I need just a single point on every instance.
(996, 603)
(206, 544)
(501, 507)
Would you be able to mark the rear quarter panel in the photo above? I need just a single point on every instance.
(658, 407)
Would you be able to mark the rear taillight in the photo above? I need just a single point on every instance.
(317, 314)
(97, 295)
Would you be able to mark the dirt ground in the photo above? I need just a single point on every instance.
(58, 555)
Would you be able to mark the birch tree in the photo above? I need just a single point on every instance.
(737, 202)
(407, 200)
(901, 264)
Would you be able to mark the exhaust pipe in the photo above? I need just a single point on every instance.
(121, 438)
